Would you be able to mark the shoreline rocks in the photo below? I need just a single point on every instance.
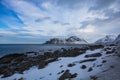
(18, 63)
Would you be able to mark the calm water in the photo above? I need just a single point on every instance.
(22, 48)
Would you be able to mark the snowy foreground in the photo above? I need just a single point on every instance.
(104, 67)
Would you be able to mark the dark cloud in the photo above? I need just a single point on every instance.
(56, 22)
(42, 19)
(101, 4)
(112, 15)
(84, 24)
(61, 23)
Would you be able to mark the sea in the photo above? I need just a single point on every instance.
(6, 49)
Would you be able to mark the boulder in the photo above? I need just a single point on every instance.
(93, 55)
(71, 65)
(67, 75)
(83, 67)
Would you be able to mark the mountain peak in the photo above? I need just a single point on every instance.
(106, 39)
(118, 38)
(70, 40)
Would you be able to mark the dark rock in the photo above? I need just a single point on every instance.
(61, 66)
(93, 55)
(99, 65)
(61, 72)
(87, 60)
(112, 66)
(83, 67)
(104, 61)
(71, 65)
(92, 47)
(21, 79)
(109, 52)
(93, 77)
(90, 69)
(74, 75)
(8, 58)
(41, 77)
(42, 64)
(50, 73)
(67, 75)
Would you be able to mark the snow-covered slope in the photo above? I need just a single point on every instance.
(75, 40)
(106, 39)
(70, 40)
(118, 39)
(84, 69)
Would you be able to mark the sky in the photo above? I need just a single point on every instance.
(35, 21)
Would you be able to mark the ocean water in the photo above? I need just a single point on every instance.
(22, 48)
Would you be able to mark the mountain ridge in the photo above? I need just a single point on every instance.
(69, 40)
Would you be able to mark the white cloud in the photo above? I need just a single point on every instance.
(6, 32)
(28, 12)
(88, 29)
(47, 5)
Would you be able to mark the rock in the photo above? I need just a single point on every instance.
(118, 50)
(112, 66)
(99, 65)
(90, 69)
(92, 47)
(93, 77)
(71, 65)
(42, 64)
(21, 79)
(67, 75)
(74, 75)
(87, 60)
(60, 72)
(83, 67)
(41, 77)
(8, 58)
(50, 73)
(93, 55)
(104, 61)
(61, 66)
(109, 52)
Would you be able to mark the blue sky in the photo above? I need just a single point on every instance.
(35, 21)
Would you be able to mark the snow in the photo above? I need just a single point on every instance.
(70, 40)
(118, 38)
(43, 74)
(106, 39)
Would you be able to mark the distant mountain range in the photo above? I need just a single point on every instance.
(70, 40)
(77, 40)
(109, 39)
(106, 39)
(117, 40)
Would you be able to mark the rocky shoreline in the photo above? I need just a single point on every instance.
(18, 63)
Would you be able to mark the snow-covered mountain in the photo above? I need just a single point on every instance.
(106, 39)
(70, 40)
(75, 40)
(118, 39)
